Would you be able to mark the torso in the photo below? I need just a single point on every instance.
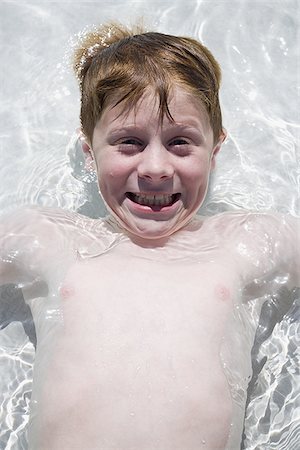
(136, 363)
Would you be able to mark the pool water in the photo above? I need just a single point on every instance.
(257, 169)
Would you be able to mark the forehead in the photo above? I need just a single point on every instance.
(184, 107)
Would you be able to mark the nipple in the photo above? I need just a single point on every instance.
(66, 292)
(222, 292)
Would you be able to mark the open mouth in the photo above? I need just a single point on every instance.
(152, 200)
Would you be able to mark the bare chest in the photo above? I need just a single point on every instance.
(119, 300)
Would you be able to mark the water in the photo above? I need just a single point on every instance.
(258, 168)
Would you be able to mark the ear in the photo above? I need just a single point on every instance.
(217, 148)
(88, 155)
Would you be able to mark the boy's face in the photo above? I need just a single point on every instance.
(154, 176)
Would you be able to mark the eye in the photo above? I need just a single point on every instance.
(180, 146)
(129, 146)
(179, 141)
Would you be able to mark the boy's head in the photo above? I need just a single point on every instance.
(151, 116)
(115, 65)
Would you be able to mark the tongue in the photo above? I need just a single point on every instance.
(156, 207)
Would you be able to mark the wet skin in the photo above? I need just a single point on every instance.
(130, 339)
(137, 157)
(137, 365)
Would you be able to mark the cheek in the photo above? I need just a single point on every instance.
(112, 181)
(196, 178)
(112, 168)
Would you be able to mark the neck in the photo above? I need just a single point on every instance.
(144, 242)
(140, 241)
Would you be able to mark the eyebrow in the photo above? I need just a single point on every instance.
(115, 131)
(171, 125)
(186, 126)
(124, 128)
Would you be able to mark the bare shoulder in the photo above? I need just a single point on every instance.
(33, 238)
(35, 223)
(50, 230)
(239, 223)
(261, 244)
(40, 221)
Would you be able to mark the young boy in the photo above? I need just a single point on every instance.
(145, 319)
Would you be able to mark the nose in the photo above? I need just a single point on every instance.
(155, 163)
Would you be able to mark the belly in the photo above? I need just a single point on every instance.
(144, 389)
(142, 401)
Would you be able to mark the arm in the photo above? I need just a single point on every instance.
(36, 241)
(17, 271)
(287, 249)
(268, 247)
(20, 247)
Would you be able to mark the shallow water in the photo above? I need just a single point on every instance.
(256, 45)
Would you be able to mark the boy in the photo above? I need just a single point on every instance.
(144, 330)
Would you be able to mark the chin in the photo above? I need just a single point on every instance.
(150, 233)
(154, 230)
(148, 229)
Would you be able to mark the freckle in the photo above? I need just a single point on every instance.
(222, 292)
(66, 292)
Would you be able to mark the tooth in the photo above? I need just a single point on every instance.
(150, 199)
(160, 198)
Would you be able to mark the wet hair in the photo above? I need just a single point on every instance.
(115, 64)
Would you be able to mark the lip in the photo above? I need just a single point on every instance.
(154, 210)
